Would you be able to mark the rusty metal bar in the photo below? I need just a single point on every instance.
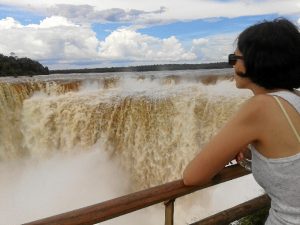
(169, 212)
(229, 215)
(135, 201)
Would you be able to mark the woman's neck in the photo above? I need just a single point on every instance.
(257, 90)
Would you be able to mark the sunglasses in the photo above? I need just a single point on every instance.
(232, 58)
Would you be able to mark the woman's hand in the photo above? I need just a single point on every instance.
(243, 158)
(245, 153)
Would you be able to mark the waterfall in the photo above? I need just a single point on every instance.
(131, 132)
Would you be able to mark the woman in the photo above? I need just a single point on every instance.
(267, 61)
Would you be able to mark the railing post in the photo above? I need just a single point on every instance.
(169, 212)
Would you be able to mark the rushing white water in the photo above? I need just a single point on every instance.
(66, 146)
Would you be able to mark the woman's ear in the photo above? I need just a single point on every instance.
(240, 73)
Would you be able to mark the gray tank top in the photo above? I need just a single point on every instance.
(280, 178)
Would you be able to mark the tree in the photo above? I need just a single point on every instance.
(14, 66)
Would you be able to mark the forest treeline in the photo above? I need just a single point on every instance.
(160, 67)
(14, 66)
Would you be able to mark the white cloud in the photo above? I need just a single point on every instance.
(129, 44)
(179, 10)
(299, 21)
(9, 23)
(214, 48)
(88, 13)
(54, 21)
(200, 41)
(48, 22)
(58, 40)
(53, 38)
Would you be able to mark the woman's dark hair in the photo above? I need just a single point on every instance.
(271, 51)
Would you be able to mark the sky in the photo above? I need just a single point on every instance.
(74, 34)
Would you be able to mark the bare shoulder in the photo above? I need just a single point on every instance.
(257, 107)
(260, 101)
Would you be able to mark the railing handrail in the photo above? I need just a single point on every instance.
(232, 214)
(135, 201)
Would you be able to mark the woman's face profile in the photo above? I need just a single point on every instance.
(239, 69)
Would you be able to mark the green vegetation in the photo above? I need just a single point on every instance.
(14, 66)
(257, 218)
(218, 65)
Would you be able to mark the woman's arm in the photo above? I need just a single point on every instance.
(242, 129)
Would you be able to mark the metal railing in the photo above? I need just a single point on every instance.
(166, 193)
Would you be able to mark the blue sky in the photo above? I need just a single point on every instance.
(85, 34)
